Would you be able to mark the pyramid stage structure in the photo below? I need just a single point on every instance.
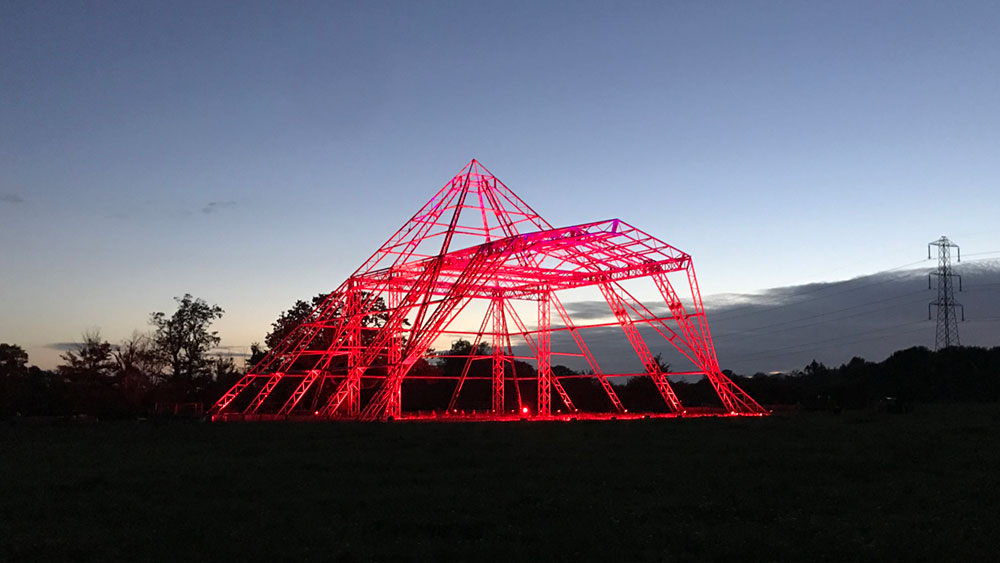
(477, 250)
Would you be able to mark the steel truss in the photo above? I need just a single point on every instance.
(476, 242)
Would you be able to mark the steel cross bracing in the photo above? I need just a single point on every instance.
(617, 305)
(585, 351)
(472, 357)
(476, 242)
(545, 377)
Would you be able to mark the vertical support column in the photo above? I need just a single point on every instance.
(351, 313)
(394, 356)
(544, 354)
(498, 358)
(534, 348)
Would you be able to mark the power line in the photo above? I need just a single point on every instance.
(819, 344)
(838, 319)
(983, 253)
(979, 287)
(845, 290)
(866, 335)
(762, 308)
(826, 348)
(824, 314)
(810, 346)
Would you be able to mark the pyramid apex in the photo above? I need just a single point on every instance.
(475, 165)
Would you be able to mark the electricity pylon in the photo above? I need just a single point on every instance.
(947, 319)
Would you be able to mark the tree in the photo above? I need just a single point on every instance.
(301, 311)
(663, 365)
(137, 355)
(13, 361)
(89, 371)
(137, 366)
(288, 320)
(640, 394)
(223, 368)
(183, 339)
(91, 358)
(815, 369)
(453, 361)
(13, 372)
(257, 353)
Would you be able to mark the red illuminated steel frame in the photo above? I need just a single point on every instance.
(475, 241)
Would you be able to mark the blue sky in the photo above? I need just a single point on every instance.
(255, 154)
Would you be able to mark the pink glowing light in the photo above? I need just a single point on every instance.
(475, 241)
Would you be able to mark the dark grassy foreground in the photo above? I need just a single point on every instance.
(918, 486)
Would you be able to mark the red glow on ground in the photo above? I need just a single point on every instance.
(490, 417)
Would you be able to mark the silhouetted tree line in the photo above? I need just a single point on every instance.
(141, 375)
(914, 375)
(173, 365)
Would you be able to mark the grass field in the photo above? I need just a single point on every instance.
(861, 485)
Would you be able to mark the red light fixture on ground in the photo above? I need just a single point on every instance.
(475, 243)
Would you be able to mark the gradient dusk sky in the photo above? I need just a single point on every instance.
(253, 154)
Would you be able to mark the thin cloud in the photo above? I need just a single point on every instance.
(593, 310)
(216, 206)
(588, 310)
(782, 329)
(229, 352)
(11, 198)
(226, 354)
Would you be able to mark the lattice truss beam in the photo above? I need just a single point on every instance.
(475, 242)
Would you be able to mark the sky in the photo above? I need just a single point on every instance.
(783, 329)
(253, 154)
